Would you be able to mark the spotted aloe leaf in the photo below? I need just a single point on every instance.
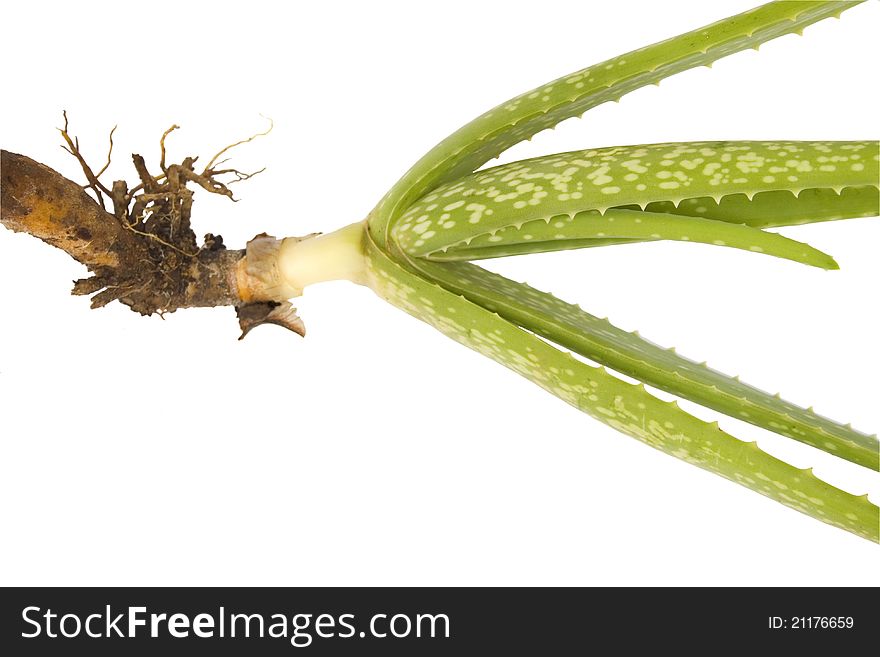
(629, 353)
(542, 204)
(780, 208)
(522, 117)
(626, 407)
(577, 230)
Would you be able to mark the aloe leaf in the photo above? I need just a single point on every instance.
(764, 210)
(780, 208)
(498, 202)
(597, 339)
(522, 117)
(527, 246)
(563, 231)
(626, 407)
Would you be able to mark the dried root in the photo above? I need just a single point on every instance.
(142, 251)
(160, 206)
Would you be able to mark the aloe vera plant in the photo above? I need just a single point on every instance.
(417, 249)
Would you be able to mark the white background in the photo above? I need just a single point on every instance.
(376, 451)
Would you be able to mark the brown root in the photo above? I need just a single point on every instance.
(145, 254)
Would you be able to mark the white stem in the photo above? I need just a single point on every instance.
(335, 256)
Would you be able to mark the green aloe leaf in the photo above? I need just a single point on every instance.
(500, 207)
(780, 208)
(564, 231)
(544, 107)
(626, 407)
(597, 339)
